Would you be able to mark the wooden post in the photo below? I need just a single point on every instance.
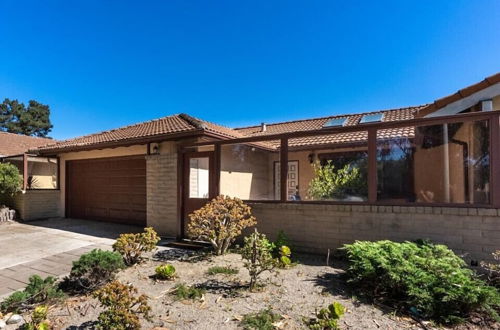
(25, 172)
(372, 165)
(495, 160)
(283, 169)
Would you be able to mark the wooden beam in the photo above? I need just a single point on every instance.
(283, 169)
(25, 172)
(372, 165)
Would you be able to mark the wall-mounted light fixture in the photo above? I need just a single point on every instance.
(311, 157)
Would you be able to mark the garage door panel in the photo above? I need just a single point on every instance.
(110, 189)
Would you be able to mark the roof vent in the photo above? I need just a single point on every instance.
(263, 127)
(487, 105)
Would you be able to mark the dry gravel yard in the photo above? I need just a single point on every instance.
(295, 293)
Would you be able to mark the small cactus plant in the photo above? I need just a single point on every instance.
(327, 318)
(165, 272)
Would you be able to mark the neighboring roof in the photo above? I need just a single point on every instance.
(462, 93)
(162, 127)
(16, 144)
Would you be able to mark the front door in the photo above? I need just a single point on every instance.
(199, 185)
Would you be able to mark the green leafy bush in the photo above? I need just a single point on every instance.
(263, 320)
(38, 291)
(123, 307)
(220, 222)
(327, 318)
(332, 183)
(165, 272)
(10, 179)
(429, 280)
(184, 292)
(94, 269)
(38, 319)
(222, 270)
(132, 246)
(257, 253)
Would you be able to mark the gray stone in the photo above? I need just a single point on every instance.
(14, 319)
(3, 325)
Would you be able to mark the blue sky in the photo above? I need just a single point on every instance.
(105, 64)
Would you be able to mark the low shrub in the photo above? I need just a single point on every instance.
(222, 270)
(38, 319)
(220, 222)
(132, 246)
(327, 318)
(257, 253)
(122, 307)
(165, 272)
(184, 292)
(263, 320)
(427, 279)
(10, 179)
(95, 269)
(38, 291)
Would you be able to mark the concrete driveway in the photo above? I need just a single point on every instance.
(49, 247)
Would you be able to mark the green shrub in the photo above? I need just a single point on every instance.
(122, 307)
(220, 222)
(94, 269)
(38, 319)
(132, 246)
(38, 291)
(327, 318)
(10, 179)
(427, 279)
(263, 320)
(257, 253)
(222, 270)
(184, 292)
(165, 272)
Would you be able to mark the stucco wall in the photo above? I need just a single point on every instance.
(317, 228)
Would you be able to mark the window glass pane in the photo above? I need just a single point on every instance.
(42, 173)
(330, 167)
(17, 161)
(447, 163)
(199, 177)
(250, 171)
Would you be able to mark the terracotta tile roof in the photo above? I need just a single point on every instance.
(464, 92)
(318, 123)
(154, 128)
(16, 144)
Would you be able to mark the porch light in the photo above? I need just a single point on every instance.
(311, 157)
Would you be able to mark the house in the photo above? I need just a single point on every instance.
(16, 144)
(429, 171)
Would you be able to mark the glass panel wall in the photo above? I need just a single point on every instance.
(328, 168)
(250, 171)
(448, 163)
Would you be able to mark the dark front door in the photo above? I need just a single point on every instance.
(199, 185)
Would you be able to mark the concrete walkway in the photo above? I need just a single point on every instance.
(49, 247)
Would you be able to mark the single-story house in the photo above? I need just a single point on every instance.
(429, 171)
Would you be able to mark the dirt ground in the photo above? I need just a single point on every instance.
(295, 293)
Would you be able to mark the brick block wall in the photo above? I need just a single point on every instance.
(37, 204)
(161, 181)
(471, 232)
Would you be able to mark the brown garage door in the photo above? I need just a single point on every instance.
(108, 189)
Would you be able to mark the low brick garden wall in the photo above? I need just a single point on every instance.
(471, 232)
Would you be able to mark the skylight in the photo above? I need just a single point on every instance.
(335, 122)
(371, 118)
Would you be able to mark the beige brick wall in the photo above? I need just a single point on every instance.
(37, 204)
(161, 181)
(471, 232)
